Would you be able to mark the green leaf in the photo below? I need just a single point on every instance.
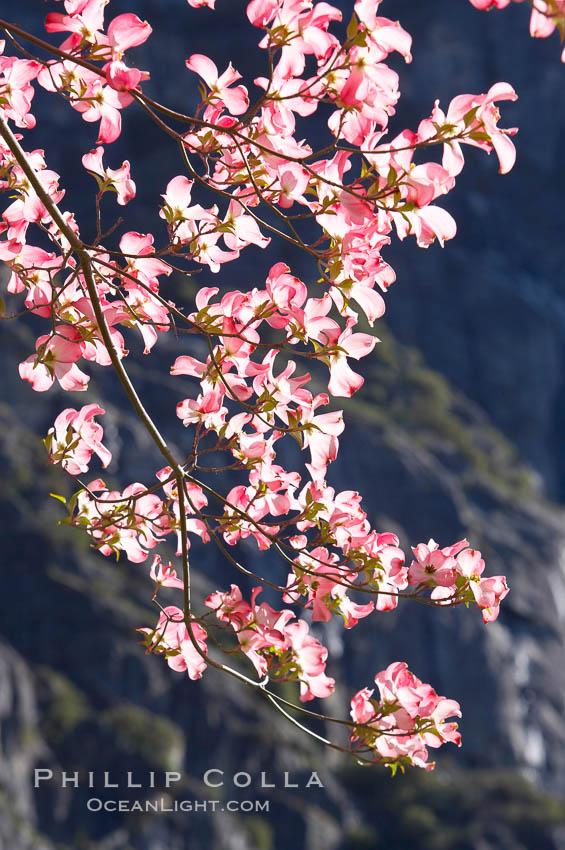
(73, 501)
(470, 116)
(58, 497)
(352, 27)
(479, 136)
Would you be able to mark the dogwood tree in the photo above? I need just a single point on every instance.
(257, 367)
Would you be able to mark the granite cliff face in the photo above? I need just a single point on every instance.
(474, 366)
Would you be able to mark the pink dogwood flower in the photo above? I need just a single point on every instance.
(55, 358)
(235, 99)
(75, 437)
(489, 591)
(118, 179)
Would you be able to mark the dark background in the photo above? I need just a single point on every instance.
(457, 431)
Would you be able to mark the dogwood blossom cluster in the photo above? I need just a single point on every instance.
(408, 718)
(253, 364)
(453, 568)
(275, 642)
(547, 16)
(171, 639)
